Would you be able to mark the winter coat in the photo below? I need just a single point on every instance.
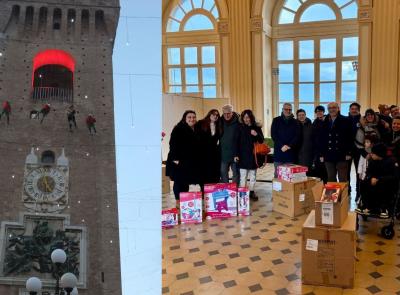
(184, 147)
(355, 123)
(6, 107)
(229, 133)
(90, 120)
(245, 146)
(210, 154)
(386, 173)
(337, 139)
(392, 141)
(365, 128)
(305, 152)
(285, 131)
(317, 136)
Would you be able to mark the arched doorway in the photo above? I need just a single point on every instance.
(53, 76)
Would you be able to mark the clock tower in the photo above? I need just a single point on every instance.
(57, 179)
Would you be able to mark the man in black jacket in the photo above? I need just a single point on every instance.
(317, 135)
(354, 117)
(337, 143)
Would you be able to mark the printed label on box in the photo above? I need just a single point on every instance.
(277, 186)
(312, 245)
(302, 197)
(327, 213)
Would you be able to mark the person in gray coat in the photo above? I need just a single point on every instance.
(306, 151)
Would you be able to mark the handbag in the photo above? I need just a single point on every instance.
(261, 150)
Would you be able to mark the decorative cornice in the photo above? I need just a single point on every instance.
(223, 26)
(256, 24)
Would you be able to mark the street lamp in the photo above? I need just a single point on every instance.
(68, 282)
(33, 285)
(58, 257)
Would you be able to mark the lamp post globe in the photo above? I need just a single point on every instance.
(68, 282)
(58, 256)
(33, 285)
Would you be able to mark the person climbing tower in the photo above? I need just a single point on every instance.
(6, 110)
(90, 122)
(44, 111)
(71, 117)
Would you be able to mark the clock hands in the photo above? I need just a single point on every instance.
(48, 189)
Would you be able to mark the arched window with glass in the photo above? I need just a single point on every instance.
(315, 53)
(191, 48)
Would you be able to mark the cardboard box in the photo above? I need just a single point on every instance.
(329, 254)
(243, 201)
(165, 182)
(330, 213)
(191, 207)
(293, 199)
(169, 218)
(220, 200)
(292, 173)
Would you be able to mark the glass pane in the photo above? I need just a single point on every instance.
(173, 26)
(214, 12)
(285, 50)
(317, 12)
(175, 89)
(286, 92)
(209, 76)
(187, 5)
(350, 46)
(197, 3)
(349, 91)
(306, 92)
(292, 4)
(209, 91)
(286, 73)
(198, 22)
(192, 75)
(327, 92)
(191, 55)
(286, 17)
(306, 72)
(208, 4)
(328, 48)
(348, 73)
(306, 49)
(327, 71)
(175, 77)
(192, 89)
(174, 56)
(309, 108)
(178, 13)
(340, 3)
(208, 54)
(344, 107)
(350, 11)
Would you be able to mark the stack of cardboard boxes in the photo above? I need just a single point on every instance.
(329, 241)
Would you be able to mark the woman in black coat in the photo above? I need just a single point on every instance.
(306, 151)
(210, 152)
(249, 133)
(183, 158)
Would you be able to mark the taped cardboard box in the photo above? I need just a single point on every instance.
(293, 199)
(328, 254)
(329, 213)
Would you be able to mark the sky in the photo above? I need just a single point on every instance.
(137, 97)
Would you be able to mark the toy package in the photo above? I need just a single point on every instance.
(191, 207)
(292, 173)
(331, 193)
(169, 218)
(243, 201)
(220, 200)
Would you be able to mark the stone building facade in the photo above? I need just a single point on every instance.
(58, 52)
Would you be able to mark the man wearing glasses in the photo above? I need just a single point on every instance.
(337, 143)
(229, 132)
(286, 134)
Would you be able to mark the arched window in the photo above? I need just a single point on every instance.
(315, 53)
(191, 66)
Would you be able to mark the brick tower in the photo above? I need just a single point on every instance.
(58, 184)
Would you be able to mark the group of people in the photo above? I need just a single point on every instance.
(332, 143)
(45, 110)
(204, 151)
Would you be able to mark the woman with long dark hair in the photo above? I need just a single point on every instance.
(249, 133)
(210, 154)
(183, 158)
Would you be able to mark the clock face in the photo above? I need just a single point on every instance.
(45, 184)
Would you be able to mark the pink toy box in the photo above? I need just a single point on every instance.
(292, 173)
(169, 218)
(191, 207)
(220, 200)
(243, 201)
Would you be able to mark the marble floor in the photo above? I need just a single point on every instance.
(261, 254)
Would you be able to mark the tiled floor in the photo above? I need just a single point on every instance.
(261, 254)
